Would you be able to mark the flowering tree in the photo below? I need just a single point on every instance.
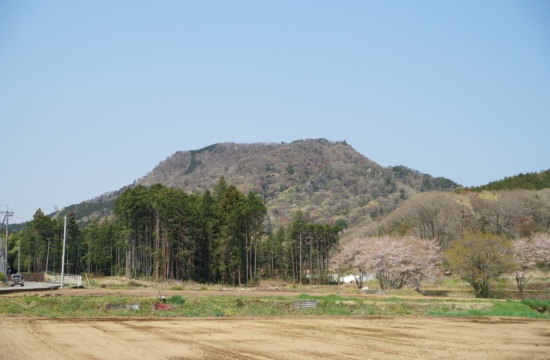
(528, 253)
(395, 262)
(542, 242)
(349, 260)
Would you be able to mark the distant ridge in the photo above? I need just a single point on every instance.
(529, 181)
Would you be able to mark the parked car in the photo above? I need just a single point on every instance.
(17, 280)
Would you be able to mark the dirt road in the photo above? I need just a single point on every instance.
(275, 338)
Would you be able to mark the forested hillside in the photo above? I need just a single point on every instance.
(446, 216)
(529, 181)
(163, 233)
(99, 208)
(331, 184)
(233, 213)
(329, 181)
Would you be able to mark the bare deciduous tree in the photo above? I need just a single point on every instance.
(507, 213)
(434, 215)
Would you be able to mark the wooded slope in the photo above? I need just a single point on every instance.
(329, 181)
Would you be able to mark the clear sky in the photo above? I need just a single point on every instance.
(94, 94)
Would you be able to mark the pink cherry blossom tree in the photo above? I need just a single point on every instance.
(530, 252)
(350, 261)
(395, 262)
(542, 241)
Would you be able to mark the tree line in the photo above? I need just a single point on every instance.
(529, 181)
(445, 216)
(480, 236)
(225, 236)
(479, 259)
(218, 236)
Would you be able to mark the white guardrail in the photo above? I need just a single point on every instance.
(67, 279)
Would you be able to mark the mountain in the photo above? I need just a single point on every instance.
(329, 181)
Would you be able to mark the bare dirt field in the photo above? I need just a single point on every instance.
(275, 338)
(289, 337)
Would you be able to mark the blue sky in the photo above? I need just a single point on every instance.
(95, 94)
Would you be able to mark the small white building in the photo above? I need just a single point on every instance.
(346, 279)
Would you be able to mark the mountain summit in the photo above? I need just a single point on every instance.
(329, 181)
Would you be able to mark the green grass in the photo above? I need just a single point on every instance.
(514, 308)
(539, 305)
(175, 287)
(228, 306)
(176, 300)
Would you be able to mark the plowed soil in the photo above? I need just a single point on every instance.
(275, 338)
(290, 337)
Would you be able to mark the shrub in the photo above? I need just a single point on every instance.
(176, 300)
(133, 283)
(480, 259)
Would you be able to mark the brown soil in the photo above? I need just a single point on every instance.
(289, 337)
(275, 338)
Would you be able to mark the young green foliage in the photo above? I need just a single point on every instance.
(480, 259)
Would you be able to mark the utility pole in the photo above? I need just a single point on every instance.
(4, 262)
(63, 256)
(19, 255)
(3, 268)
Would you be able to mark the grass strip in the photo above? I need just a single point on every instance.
(229, 306)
